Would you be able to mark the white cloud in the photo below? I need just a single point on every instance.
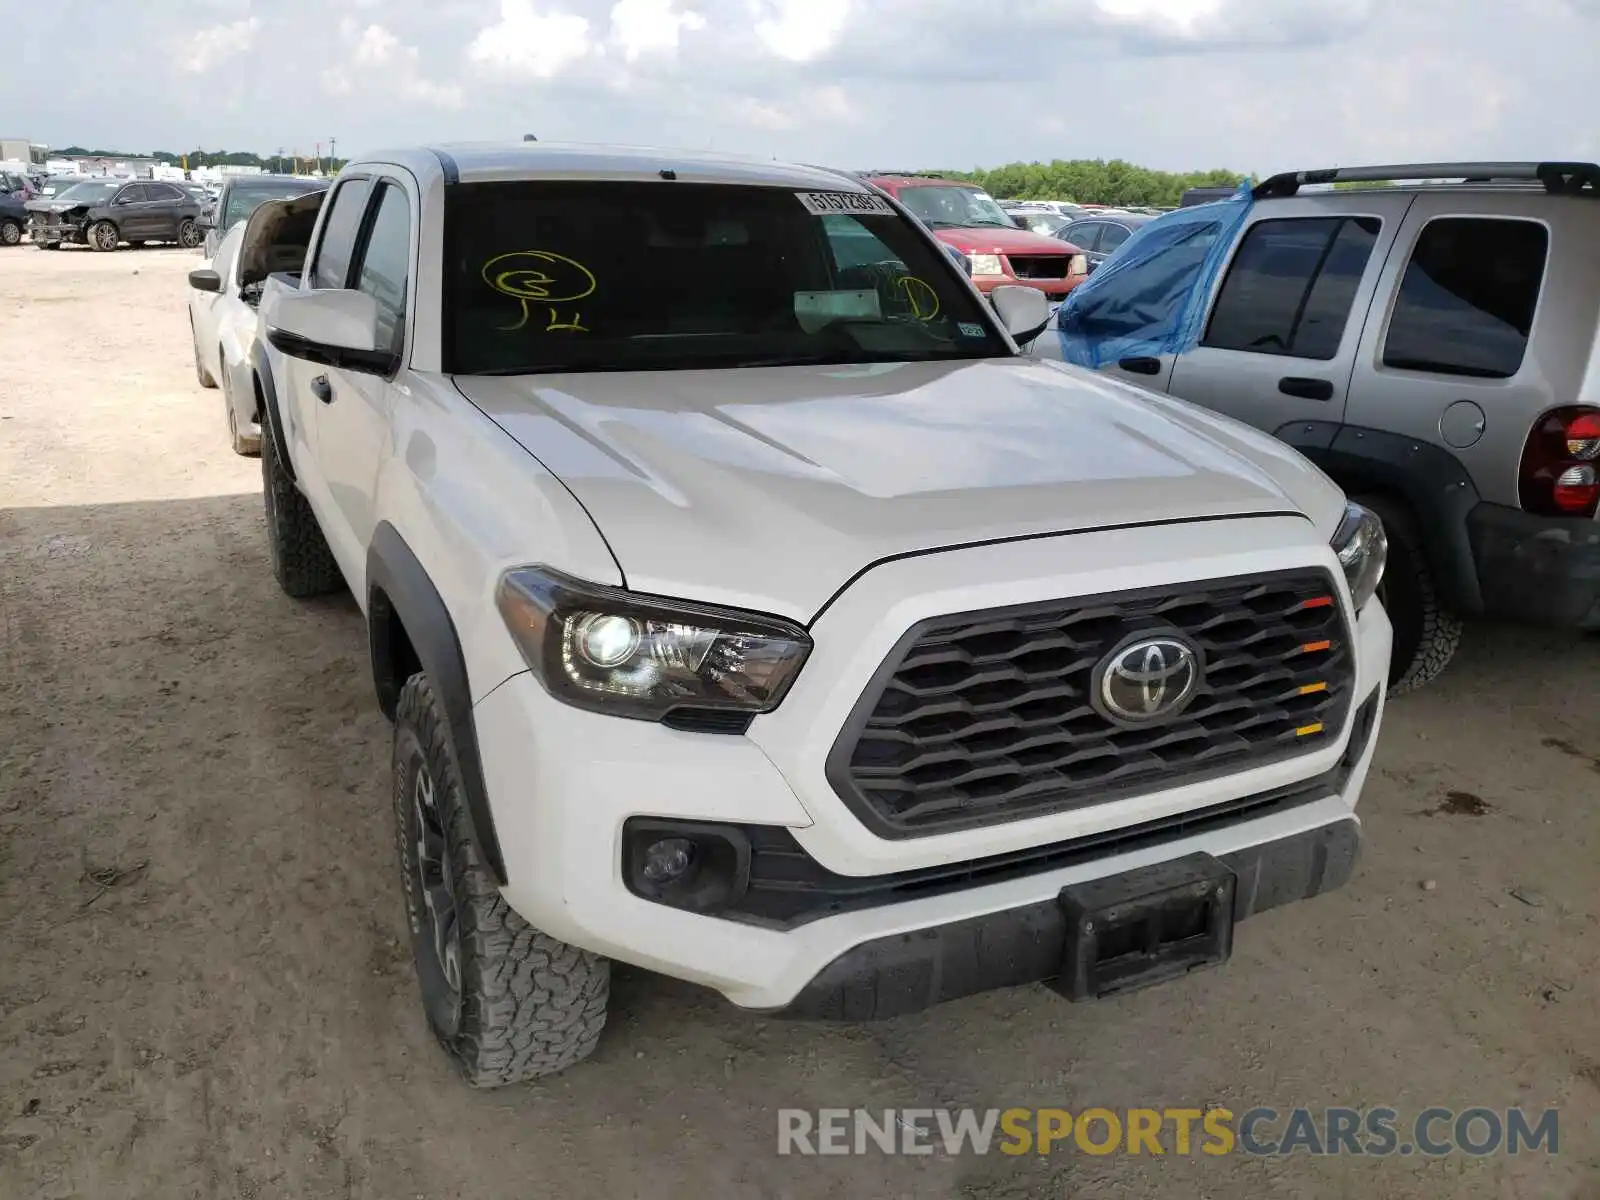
(529, 42)
(376, 60)
(642, 27)
(801, 30)
(376, 45)
(207, 48)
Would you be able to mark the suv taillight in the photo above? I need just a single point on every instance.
(1560, 476)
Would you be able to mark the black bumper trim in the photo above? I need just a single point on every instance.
(905, 973)
(1543, 570)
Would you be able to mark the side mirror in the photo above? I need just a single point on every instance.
(203, 279)
(337, 327)
(1024, 311)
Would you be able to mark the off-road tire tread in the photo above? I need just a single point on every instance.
(1438, 630)
(301, 560)
(531, 1004)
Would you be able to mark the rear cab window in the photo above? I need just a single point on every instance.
(1466, 302)
(545, 276)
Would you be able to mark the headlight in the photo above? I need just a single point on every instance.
(1078, 265)
(1363, 550)
(613, 651)
(987, 264)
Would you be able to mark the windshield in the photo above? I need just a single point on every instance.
(944, 206)
(89, 193)
(583, 276)
(245, 198)
(54, 187)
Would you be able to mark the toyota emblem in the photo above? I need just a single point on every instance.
(1149, 680)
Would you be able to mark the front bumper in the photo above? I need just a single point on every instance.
(564, 783)
(1055, 290)
(891, 976)
(1544, 570)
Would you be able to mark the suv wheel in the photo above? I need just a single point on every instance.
(190, 235)
(507, 1003)
(103, 235)
(10, 233)
(301, 560)
(1426, 633)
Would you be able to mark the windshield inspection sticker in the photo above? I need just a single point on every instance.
(827, 204)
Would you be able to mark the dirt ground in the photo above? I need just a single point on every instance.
(204, 990)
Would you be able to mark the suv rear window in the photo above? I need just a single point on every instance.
(1291, 286)
(583, 276)
(1466, 303)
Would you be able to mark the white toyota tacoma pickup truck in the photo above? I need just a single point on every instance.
(749, 609)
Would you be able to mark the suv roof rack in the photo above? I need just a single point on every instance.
(1558, 178)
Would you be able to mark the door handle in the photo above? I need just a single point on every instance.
(322, 389)
(1306, 389)
(1140, 365)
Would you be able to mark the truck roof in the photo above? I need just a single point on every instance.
(471, 162)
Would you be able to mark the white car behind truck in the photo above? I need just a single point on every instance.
(773, 623)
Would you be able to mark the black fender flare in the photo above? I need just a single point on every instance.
(271, 421)
(398, 586)
(1432, 482)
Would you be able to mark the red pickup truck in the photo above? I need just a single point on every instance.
(963, 215)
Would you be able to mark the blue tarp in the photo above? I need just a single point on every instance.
(1148, 299)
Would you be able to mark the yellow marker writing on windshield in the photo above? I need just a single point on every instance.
(924, 301)
(542, 277)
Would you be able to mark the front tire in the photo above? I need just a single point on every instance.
(10, 233)
(506, 1002)
(1426, 633)
(189, 235)
(301, 561)
(103, 236)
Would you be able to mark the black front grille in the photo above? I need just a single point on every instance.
(986, 717)
(1039, 266)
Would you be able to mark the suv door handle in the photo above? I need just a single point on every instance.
(322, 389)
(1306, 389)
(1140, 365)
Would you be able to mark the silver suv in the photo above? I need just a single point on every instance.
(1425, 334)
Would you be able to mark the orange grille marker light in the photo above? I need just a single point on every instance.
(1313, 687)
(1315, 647)
(1319, 602)
(1308, 730)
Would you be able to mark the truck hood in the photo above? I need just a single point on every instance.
(991, 239)
(769, 488)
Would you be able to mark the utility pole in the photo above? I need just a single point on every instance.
(333, 158)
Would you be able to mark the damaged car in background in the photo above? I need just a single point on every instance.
(105, 214)
(223, 298)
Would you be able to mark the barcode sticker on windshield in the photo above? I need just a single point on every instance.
(827, 204)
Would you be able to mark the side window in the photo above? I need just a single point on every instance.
(1085, 235)
(386, 265)
(338, 243)
(1466, 302)
(132, 194)
(164, 192)
(1112, 236)
(1291, 286)
(854, 245)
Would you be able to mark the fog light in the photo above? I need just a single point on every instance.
(667, 860)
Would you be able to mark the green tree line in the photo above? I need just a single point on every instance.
(1094, 181)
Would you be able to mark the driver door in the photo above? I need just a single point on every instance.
(131, 209)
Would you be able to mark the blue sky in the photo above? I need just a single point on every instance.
(1253, 84)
